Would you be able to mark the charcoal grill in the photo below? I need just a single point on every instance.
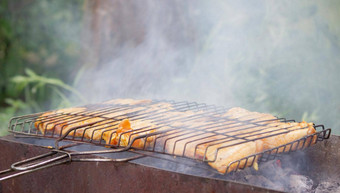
(24, 126)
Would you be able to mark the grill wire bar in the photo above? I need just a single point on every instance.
(165, 123)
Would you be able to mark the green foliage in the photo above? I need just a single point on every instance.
(7, 113)
(35, 89)
(35, 83)
(39, 46)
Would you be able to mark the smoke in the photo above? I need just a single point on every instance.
(276, 57)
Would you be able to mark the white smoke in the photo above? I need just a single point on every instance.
(277, 57)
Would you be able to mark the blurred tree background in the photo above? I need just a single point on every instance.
(276, 57)
(39, 46)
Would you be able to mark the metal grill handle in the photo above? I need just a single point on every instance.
(16, 166)
(35, 166)
(28, 165)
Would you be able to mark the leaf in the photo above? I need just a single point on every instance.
(61, 84)
(20, 86)
(16, 104)
(37, 86)
(30, 73)
(19, 79)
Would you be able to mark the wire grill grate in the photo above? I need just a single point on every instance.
(169, 127)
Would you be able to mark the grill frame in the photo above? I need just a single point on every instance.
(207, 110)
(106, 177)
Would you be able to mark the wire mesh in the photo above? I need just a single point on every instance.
(188, 129)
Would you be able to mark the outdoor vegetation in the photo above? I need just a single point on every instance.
(37, 50)
(282, 58)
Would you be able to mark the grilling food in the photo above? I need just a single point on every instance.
(55, 120)
(273, 133)
(96, 131)
(125, 134)
(223, 140)
(219, 151)
(295, 131)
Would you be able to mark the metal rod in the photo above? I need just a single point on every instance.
(168, 123)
